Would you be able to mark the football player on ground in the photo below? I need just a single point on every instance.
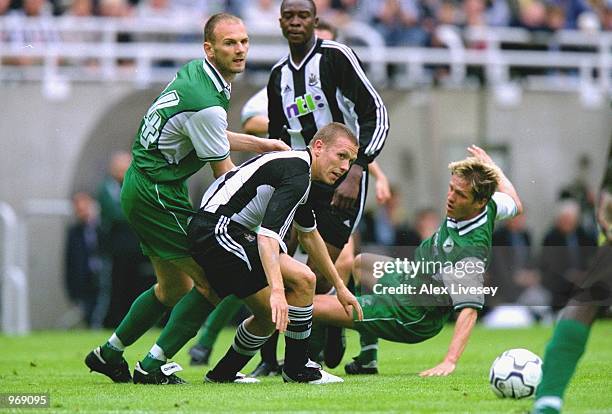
(452, 265)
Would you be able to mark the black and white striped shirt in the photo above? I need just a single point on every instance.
(329, 85)
(265, 194)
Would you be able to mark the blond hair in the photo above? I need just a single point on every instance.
(482, 177)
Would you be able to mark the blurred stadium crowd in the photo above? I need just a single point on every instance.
(400, 22)
(28, 27)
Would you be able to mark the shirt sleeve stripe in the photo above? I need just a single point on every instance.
(382, 119)
(219, 158)
(380, 133)
(474, 305)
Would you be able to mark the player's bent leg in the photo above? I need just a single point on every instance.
(297, 367)
(299, 279)
(144, 313)
(250, 336)
(563, 352)
(172, 281)
(186, 318)
(328, 310)
(219, 318)
(560, 360)
(571, 333)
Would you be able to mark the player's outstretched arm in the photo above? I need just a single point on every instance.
(270, 261)
(463, 329)
(251, 143)
(504, 186)
(317, 251)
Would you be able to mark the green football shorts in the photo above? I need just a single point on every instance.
(395, 317)
(158, 213)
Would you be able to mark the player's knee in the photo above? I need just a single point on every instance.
(169, 295)
(306, 282)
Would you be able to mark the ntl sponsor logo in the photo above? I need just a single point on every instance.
(304, 105)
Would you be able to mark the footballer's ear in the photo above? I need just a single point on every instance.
(208, 49)
(317, 146)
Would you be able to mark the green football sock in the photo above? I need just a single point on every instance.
(185, 320)
(218, 319)
(562, 354)
(144, 313)
(154, 359)
(369, 348)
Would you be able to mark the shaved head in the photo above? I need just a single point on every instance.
(213, 21)
(313, 6)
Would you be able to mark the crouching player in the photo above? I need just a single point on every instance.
(237, 238)
(446, 274)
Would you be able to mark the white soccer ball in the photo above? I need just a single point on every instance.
(516, 374)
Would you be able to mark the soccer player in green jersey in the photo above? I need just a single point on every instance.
(184, 129)
(574, 326)
(411, 301)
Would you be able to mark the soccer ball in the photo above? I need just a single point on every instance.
(516, 374)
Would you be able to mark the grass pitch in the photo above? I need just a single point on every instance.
(52, 362)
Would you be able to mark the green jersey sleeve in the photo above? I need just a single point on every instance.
(207, 130)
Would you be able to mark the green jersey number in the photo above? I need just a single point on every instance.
(150, 131)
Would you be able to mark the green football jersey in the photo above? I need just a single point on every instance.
(457, 255)
(186, 125)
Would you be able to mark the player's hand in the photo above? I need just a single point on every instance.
(383, 190)
(440, 370)
(349, 302)
(270, 145)
(480, 154)
(347, 192)
(280, 310)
